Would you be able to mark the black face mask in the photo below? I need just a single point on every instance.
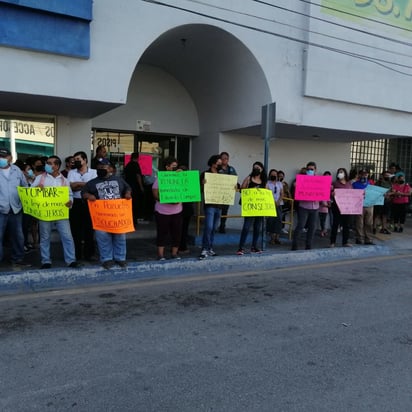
(255, 172)
(72, 166)
(273, 178)
(77, 164)
(218, 168)
(401, 181)
(101, 173)
(39, 168)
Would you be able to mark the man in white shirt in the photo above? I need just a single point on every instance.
(80, 220)
(53, 178)
(11, 208)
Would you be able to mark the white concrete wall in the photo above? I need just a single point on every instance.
(72, 135)
(156, 96)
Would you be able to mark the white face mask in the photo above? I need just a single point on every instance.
(340, 176)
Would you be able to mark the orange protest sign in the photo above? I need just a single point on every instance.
(113, 216)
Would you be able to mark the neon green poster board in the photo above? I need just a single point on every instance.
(176, 187)
(258, 202)
(48, 203)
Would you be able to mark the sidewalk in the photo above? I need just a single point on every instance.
(143, 264)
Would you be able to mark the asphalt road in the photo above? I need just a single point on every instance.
(325, 337)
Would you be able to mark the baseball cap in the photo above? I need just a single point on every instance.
(4, 152)
(104, 161)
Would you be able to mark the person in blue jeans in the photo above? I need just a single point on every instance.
(53, 178)
(107, 186)
(212, 212)
(256, 179)
(11, 208)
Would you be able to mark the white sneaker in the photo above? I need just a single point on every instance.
(211, 252)
(203, 254)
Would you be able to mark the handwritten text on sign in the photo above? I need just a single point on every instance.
(176, 187)
(220, 189)
(47, 203)
(113, 216)
(313, 188)
(258, 202)
(349, 201)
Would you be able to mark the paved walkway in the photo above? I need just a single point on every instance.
(142, 260)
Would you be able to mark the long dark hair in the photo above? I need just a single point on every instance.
(263, 175)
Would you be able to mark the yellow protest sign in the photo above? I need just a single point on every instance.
(47, 203)
(113, 216)
(220, 188)
(258, 202)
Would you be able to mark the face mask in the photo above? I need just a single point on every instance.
(340, 176)
(39, 168)
(386, 178)
(30, 173)
(48, 169)
(3, 162)
(174, 169)
(219, 167)
(310, 172)
(363, 179)
(77, 164)
(72, 166)
(280, 179)
(273, 178)
(101, 173)
(401, 181)
(255, 172)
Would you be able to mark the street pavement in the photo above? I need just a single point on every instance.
(143, 264)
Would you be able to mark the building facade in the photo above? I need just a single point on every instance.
(189, 78)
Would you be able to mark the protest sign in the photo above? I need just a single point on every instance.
(47, 203)
(313, 188)
(349, 201)
(374, 195)
(258, 202)
(113, 216)
(220, 188)
(145, 163)
(176, 187)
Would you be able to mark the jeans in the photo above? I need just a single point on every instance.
(63, 227)
(212, 218)
(12, 222)
(112, 246)
(305, 216)
(257, 225)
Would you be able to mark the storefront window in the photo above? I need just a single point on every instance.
(27, 136)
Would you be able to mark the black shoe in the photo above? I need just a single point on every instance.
(400, 230)
(294, 247)
(222, 230)
(121, 263)
(369, 243)
(108, 264)
(75, 265)
(308, 247)
(358, 242)
(46, 266)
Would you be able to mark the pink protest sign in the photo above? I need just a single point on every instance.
(313, 188)
(349, 201)
(145, 162)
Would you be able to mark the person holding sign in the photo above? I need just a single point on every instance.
(10, 207)
(256, 179)
(168, 217)
(364, 221)
(307, 212)
(274, 224)
(339, 219)
(53, 178)
(107, 186)
(212, 211)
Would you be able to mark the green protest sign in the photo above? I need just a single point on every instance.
(175, 187)
(47, 203)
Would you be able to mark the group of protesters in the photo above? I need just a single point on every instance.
(86, 185)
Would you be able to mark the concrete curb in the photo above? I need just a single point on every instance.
(59, 278)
